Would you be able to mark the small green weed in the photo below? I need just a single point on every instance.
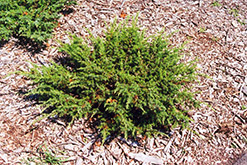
(28, 161)
(202, 29)
(127, 83)
(214, 38)
(234, 12)
(45, 157)
(33, 19)
(243, 107)
(216, 4)
(241, 22)
(50, 158)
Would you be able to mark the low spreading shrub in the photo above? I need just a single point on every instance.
(127, 83)
(33, 19)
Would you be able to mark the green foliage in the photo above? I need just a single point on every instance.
(241, 22)
(127, 83)
(202, 29)
(215, 38)
(45, 157)
(234, 12)
(243, 107)
(216, 3)
(33, 19)
(50, 158)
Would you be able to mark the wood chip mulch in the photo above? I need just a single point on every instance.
(217, 38)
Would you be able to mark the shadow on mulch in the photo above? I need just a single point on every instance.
(2, 43)
(30, 45)
(67, 11)
(25, 43)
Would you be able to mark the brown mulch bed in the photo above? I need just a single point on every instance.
(217, 38)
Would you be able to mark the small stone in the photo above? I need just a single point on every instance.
(145, 158)
(241, 44)
(169, 23)
(235, 23)
(69, 147)
(235, 100)
(103, 16)
(3, 73)
(19, 77)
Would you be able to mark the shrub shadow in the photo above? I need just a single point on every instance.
(29, 45)
(2, 43)
(25, 43)
(67, 11)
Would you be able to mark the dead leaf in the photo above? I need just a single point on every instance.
(47, 45)
(98, 143)
(123, 15)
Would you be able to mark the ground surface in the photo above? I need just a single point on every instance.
(217, 37)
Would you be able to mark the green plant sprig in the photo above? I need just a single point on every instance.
(126, 82)
(33, 19)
